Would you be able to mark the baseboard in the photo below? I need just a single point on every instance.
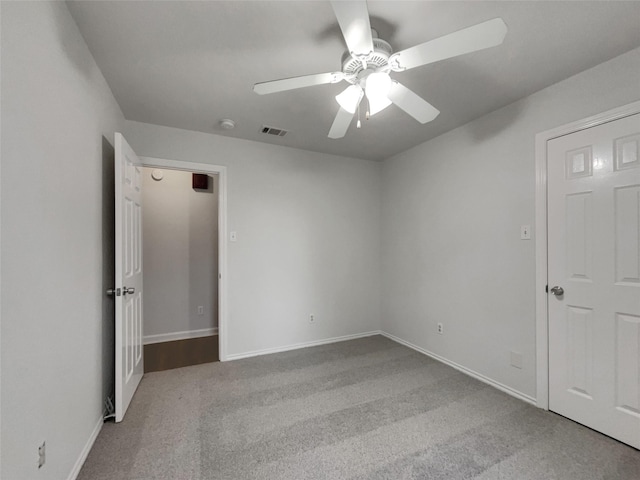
(170, 337)
(503, 388)
(295, 346)
(515, 393)
(87, 448)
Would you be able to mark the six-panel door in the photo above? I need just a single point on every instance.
(129, 318)
(594, 255)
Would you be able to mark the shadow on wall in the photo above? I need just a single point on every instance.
(494, 124)
(108, 268)
(435, 82)
(74, 50)
(386, 31)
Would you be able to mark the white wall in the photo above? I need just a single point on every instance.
(452, 210)
(180, 245)
(308, 228)
(309, 234)
(56, 320)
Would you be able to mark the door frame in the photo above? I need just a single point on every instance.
(542, 312)
(221, 171)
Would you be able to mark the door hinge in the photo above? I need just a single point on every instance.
(546, 289)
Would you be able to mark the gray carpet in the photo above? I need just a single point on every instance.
(363, 409)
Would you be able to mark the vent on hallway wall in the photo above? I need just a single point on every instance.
(278, 132)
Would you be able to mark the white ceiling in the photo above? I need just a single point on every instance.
(189, 64)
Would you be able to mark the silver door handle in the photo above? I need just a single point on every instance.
(113, 291)
(128, 291)
(557, 291)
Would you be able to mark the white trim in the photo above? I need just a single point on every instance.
(514, 393)
(222, 234)
(170, 337)
(296, 346)
(542, 333)
(87, 448)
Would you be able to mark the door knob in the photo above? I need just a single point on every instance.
(113, 291)
(557, 291)
(128, 291)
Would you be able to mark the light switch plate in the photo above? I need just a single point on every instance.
(233, 236)
(525, 232)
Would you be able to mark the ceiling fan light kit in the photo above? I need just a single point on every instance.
(350, 98)
(370, 60)
(377, 90)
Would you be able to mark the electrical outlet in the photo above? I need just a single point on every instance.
(200, 310)
(312, 319)
(440, 329)
(41, 455)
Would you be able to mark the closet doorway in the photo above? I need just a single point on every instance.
(180, 237)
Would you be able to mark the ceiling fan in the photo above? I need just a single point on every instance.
(367, 64)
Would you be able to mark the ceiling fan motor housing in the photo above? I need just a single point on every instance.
(379, 58)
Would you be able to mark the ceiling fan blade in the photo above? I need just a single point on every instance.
(297, 82)
(353, 17)
(481, 36)
(341, 124)
(411, 103)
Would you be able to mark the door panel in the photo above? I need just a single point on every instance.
(627, 371)
(627, 235)
(594, 255)
(580, 350)
(129, 315)
(579, 236)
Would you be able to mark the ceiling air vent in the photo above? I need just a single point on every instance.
(278, 132)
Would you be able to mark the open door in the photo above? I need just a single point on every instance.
(128, 292)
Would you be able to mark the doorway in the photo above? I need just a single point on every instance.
(183, 233)
(588, 318)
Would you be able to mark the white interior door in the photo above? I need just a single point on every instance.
(594, 256)
(128, 338)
